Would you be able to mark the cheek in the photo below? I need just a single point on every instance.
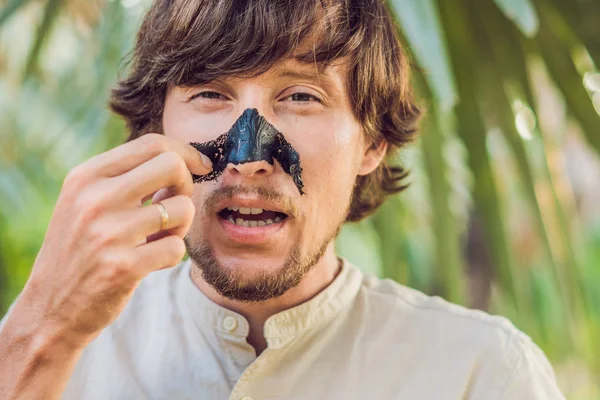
(328, 146)
(180, 120)
(329, 154)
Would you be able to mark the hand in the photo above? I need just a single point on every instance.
(102, 241)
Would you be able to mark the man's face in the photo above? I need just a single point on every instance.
(313, 111)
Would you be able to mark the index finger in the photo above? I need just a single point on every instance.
(129, 155)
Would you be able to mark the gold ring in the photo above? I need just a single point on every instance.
(164, 216)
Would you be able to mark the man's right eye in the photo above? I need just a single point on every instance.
(208, 95)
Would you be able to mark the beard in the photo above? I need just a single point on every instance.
(265, 285)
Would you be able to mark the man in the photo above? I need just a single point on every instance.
(263, 308)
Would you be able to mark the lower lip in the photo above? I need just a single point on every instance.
(250, 234)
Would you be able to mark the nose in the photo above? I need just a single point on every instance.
(251, 139)
(250, 169)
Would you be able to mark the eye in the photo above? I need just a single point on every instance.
(209, 95)
(302, 97)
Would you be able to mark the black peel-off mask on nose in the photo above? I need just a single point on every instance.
(251, 138)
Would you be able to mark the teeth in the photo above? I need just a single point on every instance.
(246, 210)
(253, 224)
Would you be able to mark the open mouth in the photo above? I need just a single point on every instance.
(251, 217)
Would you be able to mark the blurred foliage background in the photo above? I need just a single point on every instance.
(503, 213)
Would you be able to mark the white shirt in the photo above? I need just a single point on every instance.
(360, 338)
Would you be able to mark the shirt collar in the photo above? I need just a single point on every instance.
(283, 326)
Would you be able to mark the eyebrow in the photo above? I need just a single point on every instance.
(299, 74)
(320, 77)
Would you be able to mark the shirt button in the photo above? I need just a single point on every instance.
(230, 323)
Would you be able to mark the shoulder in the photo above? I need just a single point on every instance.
(410, 305)
(489, 351)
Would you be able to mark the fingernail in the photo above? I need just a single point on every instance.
(206, 161)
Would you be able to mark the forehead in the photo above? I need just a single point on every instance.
(291, 69)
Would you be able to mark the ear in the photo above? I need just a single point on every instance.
(372, 158)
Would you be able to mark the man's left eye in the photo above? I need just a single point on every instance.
(302, 97)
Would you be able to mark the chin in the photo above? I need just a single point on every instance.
(249, 276)
(251, 266)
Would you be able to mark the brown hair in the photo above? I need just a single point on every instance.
(184, 42)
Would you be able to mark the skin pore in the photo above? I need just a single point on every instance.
(259, 272)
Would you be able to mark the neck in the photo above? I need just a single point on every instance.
(317, 279)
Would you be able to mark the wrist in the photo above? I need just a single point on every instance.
(34, 361)
(30, 325)
(39, 340)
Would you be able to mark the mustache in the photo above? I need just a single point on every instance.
(264, 194)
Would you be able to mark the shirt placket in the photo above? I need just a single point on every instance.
(232, 332)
